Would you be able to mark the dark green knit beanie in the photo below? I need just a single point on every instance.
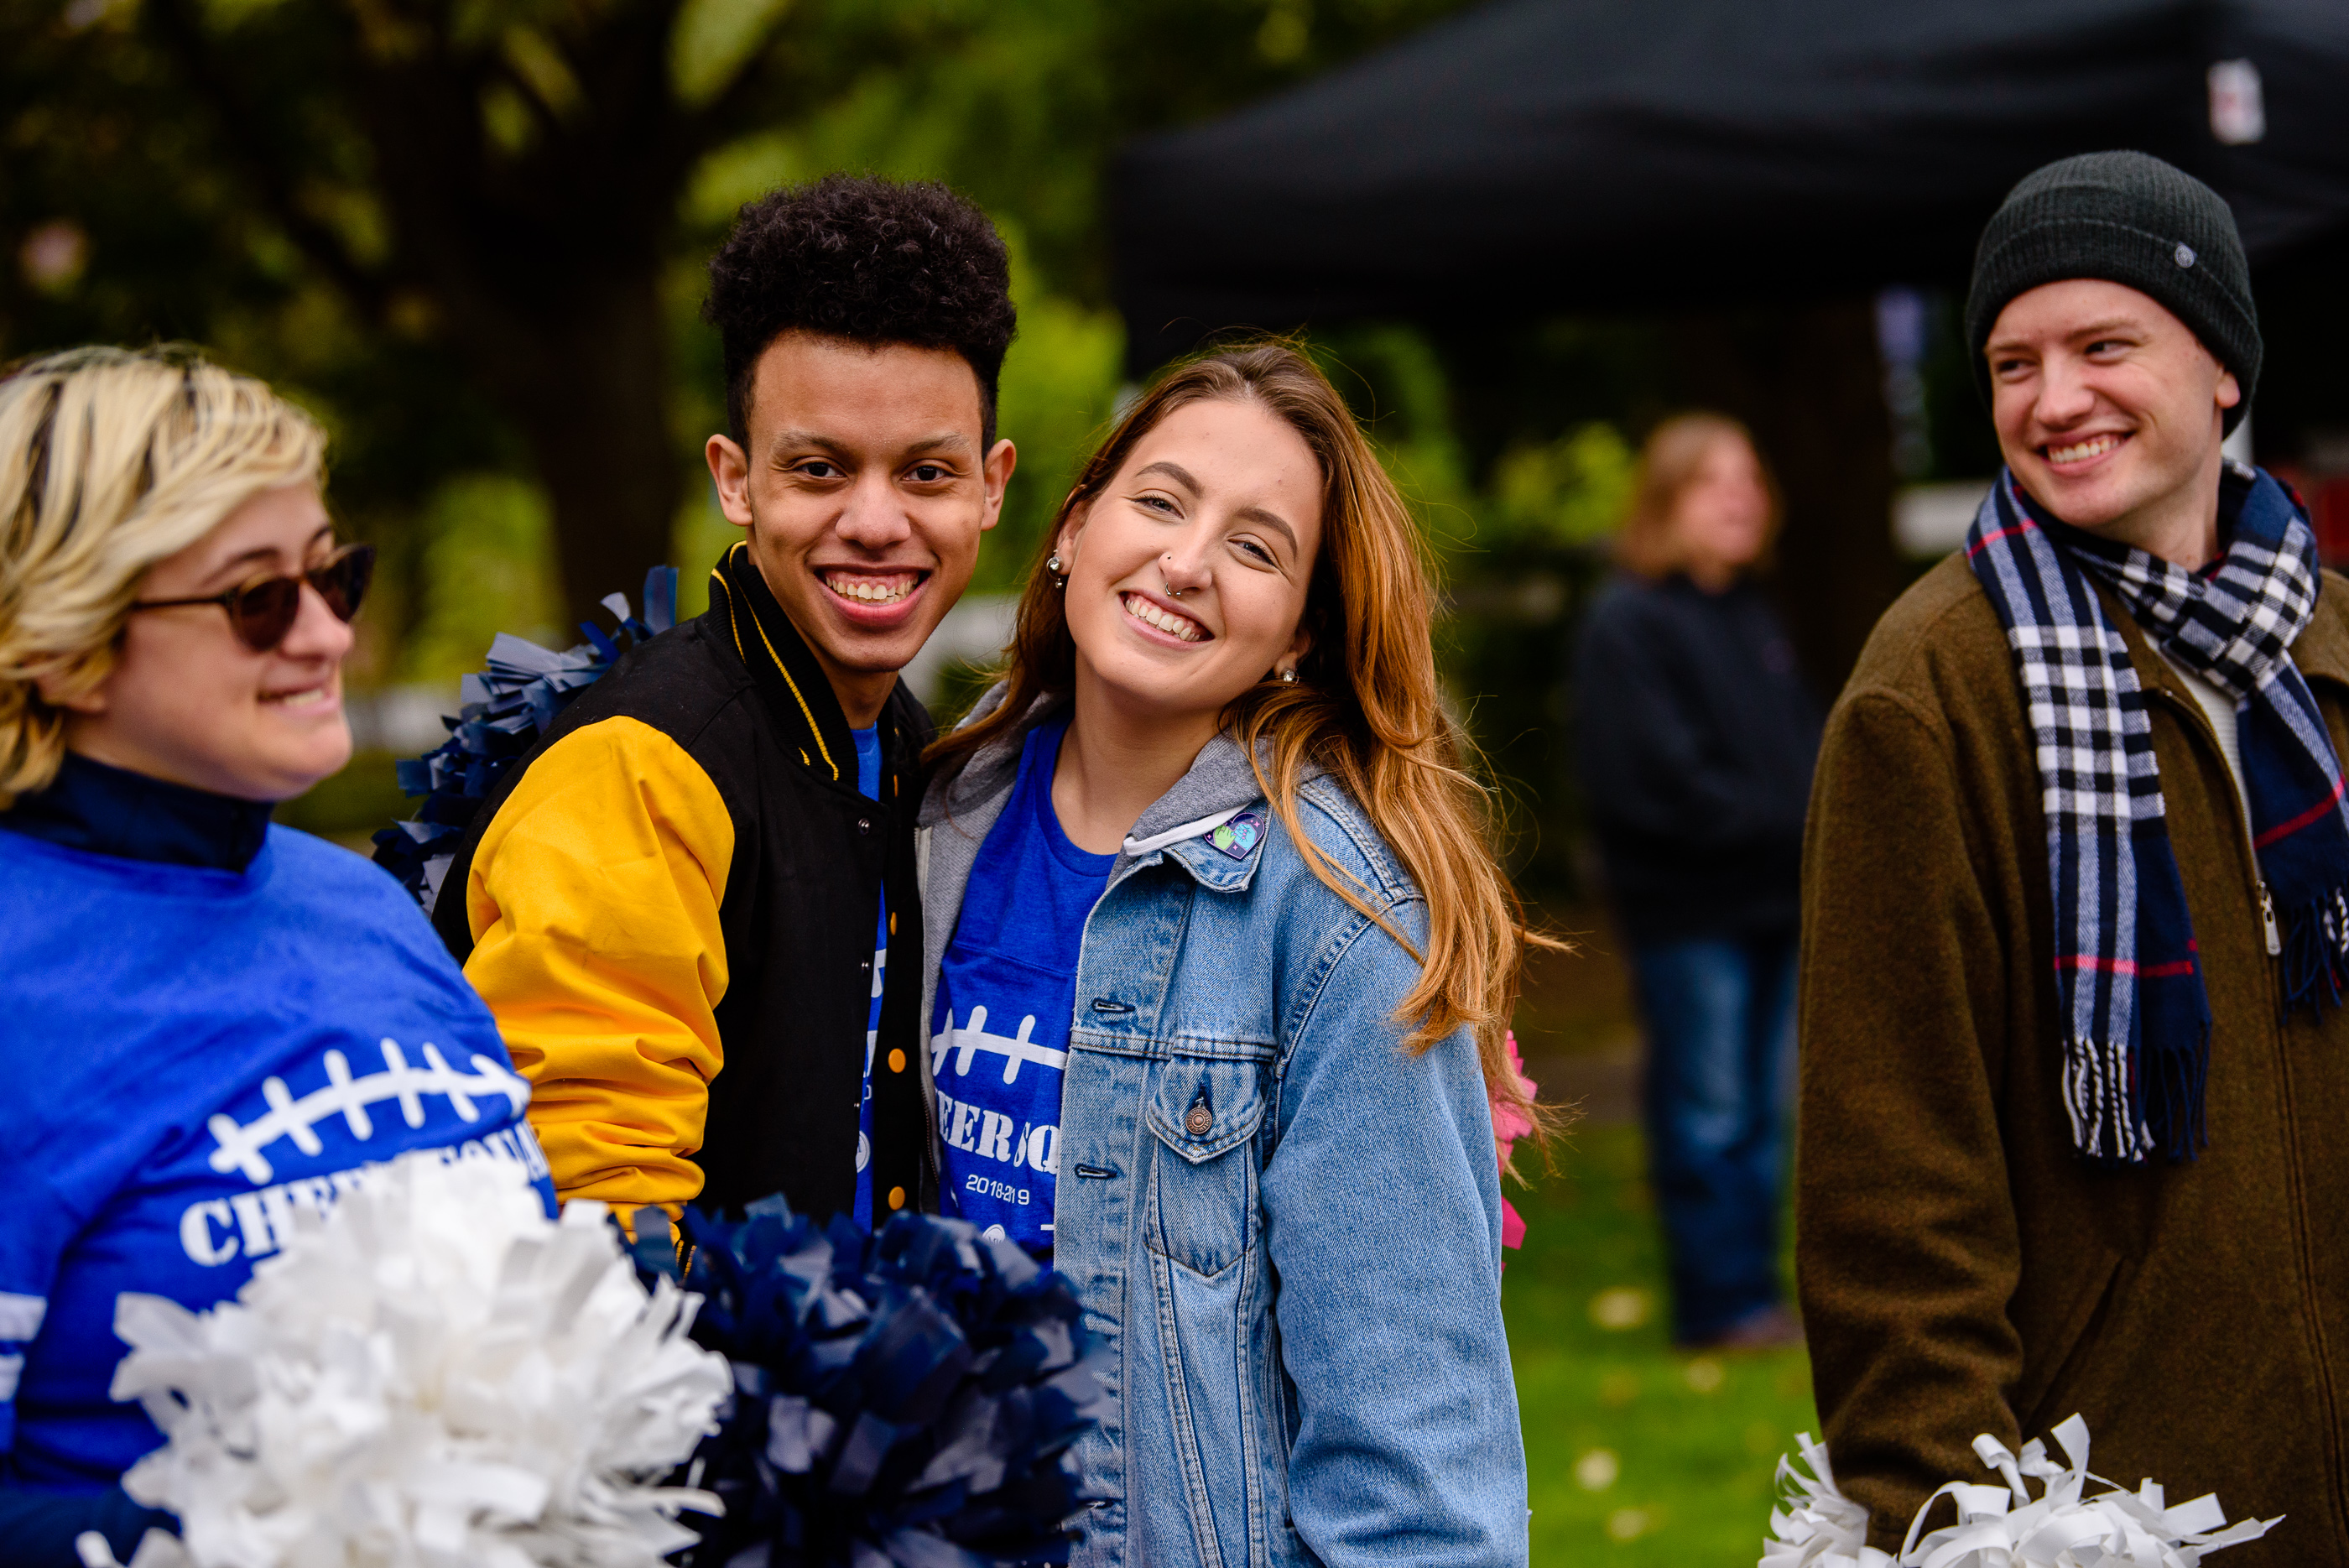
(2127, 218)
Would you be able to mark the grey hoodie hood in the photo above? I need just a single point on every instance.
(1219, 785)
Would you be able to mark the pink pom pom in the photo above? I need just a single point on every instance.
(1510, 1123)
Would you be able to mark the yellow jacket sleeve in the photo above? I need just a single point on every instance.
(593, 899)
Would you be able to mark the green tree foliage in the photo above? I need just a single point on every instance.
(1573, 490)
(469, 232)
(487, 554)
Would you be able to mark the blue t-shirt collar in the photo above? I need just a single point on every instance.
(111, 811)
(868, 761)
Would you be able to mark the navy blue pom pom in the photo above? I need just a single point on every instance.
(908, 1397)
(502, 712)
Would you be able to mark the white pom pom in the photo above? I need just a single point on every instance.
(157, 1549)
(2002, 1525)
(435, 1373)
(1816, 1526)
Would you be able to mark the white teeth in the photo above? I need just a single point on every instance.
(2095, 446)
(871, 591)
(1149, 614)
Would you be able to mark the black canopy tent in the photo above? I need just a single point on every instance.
(1589, 157)
(1577, 155)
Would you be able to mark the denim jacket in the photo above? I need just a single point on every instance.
(1299, 1290)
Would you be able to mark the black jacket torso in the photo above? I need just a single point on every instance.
(1695, 739)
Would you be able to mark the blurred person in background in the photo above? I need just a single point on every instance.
(694, 906)
(1221, 965)
(1696, 743)
(2074, 1065)
(201, 1007)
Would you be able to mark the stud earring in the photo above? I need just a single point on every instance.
(1053, 566)
(1289, 678)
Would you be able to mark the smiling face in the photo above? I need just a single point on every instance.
(1188, 574)
(188, 702)
(2109, 412)
(865, 493)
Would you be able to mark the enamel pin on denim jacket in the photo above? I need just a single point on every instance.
(1285, 1228)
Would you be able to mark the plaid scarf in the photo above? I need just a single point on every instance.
(2137, 1040)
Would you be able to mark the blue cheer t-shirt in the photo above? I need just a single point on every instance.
(1007, 989)
(194, 1055)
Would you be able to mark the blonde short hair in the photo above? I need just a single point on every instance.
(112, 460)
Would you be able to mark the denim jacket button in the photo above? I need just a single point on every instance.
(1200, 1122)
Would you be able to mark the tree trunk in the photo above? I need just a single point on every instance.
(546, 269)
(1808, 382)
(590, 397)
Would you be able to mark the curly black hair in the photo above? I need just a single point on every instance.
(871, 260)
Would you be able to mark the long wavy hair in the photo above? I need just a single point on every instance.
(1365, 706)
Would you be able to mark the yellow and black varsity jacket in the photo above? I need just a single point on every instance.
(670, 905)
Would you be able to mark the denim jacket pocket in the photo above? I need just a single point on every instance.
(1206, 1112)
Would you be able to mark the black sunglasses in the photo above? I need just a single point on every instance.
(262, 612)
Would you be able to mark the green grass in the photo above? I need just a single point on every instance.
(1694, 1442)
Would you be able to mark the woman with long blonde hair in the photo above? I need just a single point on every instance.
(1219, 970)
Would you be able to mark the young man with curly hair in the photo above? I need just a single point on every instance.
(2074, 1064)
(694, 908)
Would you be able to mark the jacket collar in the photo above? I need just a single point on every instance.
(1216, 814)
(2322, 651)
(797, 692)
(110, 811)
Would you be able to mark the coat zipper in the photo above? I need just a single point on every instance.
(2312, 1313)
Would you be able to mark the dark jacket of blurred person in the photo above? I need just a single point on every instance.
(1974, 1256)
(1696, 736)
(1695, 744)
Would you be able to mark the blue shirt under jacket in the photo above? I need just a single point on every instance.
(868, 785)
(1006, 992)
(206, 1023)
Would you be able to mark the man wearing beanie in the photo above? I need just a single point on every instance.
(2075, 1066)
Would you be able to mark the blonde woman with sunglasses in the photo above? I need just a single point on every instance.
(206, 1022)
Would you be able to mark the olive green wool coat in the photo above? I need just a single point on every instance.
(1962, 1270)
